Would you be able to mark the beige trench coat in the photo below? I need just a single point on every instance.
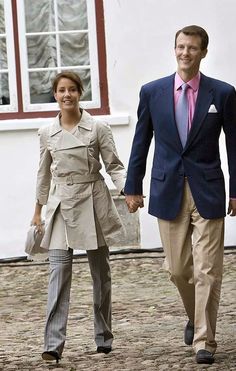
(69, 180)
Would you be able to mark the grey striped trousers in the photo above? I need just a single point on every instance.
(59, 297)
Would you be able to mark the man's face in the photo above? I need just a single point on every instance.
(189, 54)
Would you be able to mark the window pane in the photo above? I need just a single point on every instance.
(8, 96)
(41, 51)
(40, 86)
(3, 53)
(39, 16)
(74, 49)
(4, 84)
(4, 89)
(2, 20)
(72, 15)
(86, 78)
(3, 50)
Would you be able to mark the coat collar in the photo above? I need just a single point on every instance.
(56, 127)
(67, 139)
(86, 122)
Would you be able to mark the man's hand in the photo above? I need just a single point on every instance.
(134, 202)
(232, 207)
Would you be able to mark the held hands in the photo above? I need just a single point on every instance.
(134, 202)
(232, 207)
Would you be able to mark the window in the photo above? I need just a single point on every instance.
(51, 36)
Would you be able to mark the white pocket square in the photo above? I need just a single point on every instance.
(212, 109)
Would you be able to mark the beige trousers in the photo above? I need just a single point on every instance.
(194, 249)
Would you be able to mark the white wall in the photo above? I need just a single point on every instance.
(19, 158)
(139, 42)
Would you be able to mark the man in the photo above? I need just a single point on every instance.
(187, 192)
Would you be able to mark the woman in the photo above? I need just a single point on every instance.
(80, 212)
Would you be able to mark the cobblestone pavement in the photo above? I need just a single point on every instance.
(148, 318)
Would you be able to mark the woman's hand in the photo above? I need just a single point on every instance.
(37, 219)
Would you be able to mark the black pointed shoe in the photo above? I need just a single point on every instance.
(203, 356)
(189, 333)
(105, 350)
(51, 356)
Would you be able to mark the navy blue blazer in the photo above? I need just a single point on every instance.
(199, 160)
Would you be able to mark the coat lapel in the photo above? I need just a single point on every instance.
(65, 139)
(68, 140)
(167, 100)
(204, 100)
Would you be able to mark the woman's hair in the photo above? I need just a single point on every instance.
(73, 76)
(196, 31)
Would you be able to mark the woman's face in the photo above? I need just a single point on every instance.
(67, 95)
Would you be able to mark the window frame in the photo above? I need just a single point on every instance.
(102, 109)
(92, 36)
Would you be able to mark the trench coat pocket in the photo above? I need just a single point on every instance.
(158, 174)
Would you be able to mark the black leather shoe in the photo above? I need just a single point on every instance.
(51, 356)
(105, 350)
(189, 333)
(203, 356)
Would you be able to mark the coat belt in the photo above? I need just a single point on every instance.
(76, 178)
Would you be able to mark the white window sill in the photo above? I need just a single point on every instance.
(36, 123)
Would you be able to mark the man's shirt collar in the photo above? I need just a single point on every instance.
(193, 83)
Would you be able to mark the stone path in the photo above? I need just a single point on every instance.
(148, 319)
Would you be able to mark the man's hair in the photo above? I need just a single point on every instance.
(68, 75)
(197, 31)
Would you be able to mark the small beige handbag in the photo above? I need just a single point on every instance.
(33, 241)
